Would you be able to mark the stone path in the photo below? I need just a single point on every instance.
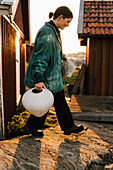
(89, 150)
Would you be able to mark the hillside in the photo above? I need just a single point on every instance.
(78, 59)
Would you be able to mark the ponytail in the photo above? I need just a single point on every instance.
(51, 14)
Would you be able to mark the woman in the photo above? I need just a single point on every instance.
(45, 70)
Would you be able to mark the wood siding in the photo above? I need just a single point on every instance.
(22, 67)
(29, 49)
(22, 18)
(8, 71)
(99, 74)
(18, 19)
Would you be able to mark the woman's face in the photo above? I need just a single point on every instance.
(63, 22)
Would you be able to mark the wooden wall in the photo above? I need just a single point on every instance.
(22, 18)
(18, 19)
(22, 67)
(8, 71)
(29, 49)
(99, 74)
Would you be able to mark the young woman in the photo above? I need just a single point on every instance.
(45, 70)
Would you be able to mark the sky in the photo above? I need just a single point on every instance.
(40, 9)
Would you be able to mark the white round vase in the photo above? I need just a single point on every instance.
(36, 102)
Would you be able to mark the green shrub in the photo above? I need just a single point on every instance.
(51, 119)
(15, 127)
(18, 122)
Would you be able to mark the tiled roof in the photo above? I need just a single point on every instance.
(98, 17)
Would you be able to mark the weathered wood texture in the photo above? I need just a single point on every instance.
(0, 85)
(22, 18)
(18, 19)
(26, 16)
(8, 71)
(29, 49)
(0, 109)
(92, 108)
(79, 79)
(22, 67)
(99, 75)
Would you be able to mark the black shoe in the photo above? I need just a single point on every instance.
(38, 133)
(34, 132)
(74, 129)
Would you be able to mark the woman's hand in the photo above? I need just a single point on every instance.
(39, 86)
(65, 58)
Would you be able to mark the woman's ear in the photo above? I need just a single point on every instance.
(60, 17)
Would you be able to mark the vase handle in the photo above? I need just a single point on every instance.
(36, 91)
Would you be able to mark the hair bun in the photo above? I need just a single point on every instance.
(51, 15)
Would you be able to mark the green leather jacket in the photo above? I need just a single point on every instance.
(46, 60)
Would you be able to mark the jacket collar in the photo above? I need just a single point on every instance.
(54, 29)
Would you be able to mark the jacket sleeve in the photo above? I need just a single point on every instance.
(41, 59)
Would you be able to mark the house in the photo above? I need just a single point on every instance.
(14, 32)
(95, 31)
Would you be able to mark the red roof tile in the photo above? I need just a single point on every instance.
(98, 17)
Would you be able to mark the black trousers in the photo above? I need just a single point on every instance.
(62, 111)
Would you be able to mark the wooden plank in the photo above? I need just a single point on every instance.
(22, 67)
(92, 108)
(1, 92)
(26, 15)
(82, 86)
(80, 19)
(29, 49)
(18, 18)
(5, 9)
(97, 69)
(86, 77)
(14, 8)
(4, 12)
(79, 79)
(110, 88)
(87, 51)
(103, 68)
(104, 77)
(90, 73)
(107, 66)
(9, 72)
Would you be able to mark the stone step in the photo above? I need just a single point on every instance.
(92, 108)
(93, 117)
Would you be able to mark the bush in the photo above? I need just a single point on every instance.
(18, 122)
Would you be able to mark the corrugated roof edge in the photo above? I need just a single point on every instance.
(80, 18)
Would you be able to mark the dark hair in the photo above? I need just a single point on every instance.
(63, 10)
(51, 15)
